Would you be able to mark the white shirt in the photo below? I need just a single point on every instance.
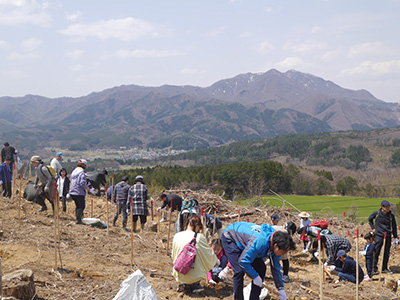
(55, 164)
(60, 183)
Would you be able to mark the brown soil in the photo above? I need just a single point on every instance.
(95, 261)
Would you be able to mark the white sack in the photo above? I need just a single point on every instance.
(247, 290)
(136, 287)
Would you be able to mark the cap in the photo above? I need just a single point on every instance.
(275, 217)
(139, 177)
(6, 144)
(385, 203)
(82, 161)
(59, 154)
(304, 214)
(125, 178)
(35, 158)
(340, 253)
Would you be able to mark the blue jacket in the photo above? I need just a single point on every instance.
(255, 242)
(5, 173)
(349, 267)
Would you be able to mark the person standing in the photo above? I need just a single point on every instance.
(139, 194)
(63, 184)
(78, 189)
(46, 179)
(6, 177)
(246, 245)
(121, 190)
(55, 163)
(384, 222)
(8, 151)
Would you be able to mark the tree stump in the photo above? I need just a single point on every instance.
(19, 284)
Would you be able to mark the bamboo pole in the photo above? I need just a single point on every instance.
(382, 250)
(344, 220)
(320, 267)
(322, 253)
(108, 220)
(169, 228)
(272, 293)
(357, 280)
(131, 234)
(215, 220)
(152, 213)
(1, 280)
(19, 199)
(55, 226)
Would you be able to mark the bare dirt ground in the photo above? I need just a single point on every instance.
(95, 261)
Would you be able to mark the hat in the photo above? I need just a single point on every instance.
(6, 144)
(385, 203)
(275, 217)
(304, 214)
(59, 154)
(125, 178)
(82, 161)
(36, 158)
(139, 177)
(340, 253)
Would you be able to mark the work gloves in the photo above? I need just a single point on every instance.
(316, 254)
(330, 268)
(92, 191)
(258, 281)
(396, 241)
(282, 295)
(223, 273)
(158, 209)
(362, 252)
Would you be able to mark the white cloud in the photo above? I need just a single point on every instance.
(16, 12)
(368, 49)
(245, 35)
(15, 56)
(3, 44)
(73, 17)
(74, 54)
(76, 68)
(290, 62)
(31, 44)
(127, 29)
(143, 54)
(316, 29)
(330, 55)
(215, 32)
(268, 10)
(305, 47)
(265, 47)
(375, 69)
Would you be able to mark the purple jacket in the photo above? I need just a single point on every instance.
(78, 182)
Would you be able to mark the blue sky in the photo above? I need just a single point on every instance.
(73, 48)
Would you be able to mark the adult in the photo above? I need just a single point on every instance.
(384, 222)
(46, 188)
(55, 163)
(332, 244)
(8, 151)
(210, 228)
(246, 244)
(205, 257)
(190, 206)
(349, 270)
(63, 184)
(275, 219)
(6, 177)
(78, 189)
(139, 194)
(97, 180)
(166, 199)
(121, 190)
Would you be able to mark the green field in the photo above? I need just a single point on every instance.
(358, 206)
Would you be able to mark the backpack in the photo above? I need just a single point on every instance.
(186, 258)
(51, 171)
(321, 224)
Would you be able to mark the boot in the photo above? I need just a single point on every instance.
(124, 223)
(79, 213)
(134, 226)
(64, 204)
(142, 227)
(115, 220)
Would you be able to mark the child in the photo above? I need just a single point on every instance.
(305, 222)
(368, 252)
(218, 273)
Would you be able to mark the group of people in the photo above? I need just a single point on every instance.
(6, 168)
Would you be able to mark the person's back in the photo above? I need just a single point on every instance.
(121, 190)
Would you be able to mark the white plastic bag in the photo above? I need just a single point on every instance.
(94, 222)
(136, 287)
(247, 290)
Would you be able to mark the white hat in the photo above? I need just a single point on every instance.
(82, 161)
(139, 177)
(304, 214)
(36, 158)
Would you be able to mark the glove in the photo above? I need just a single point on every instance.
(223, 273)
(16, 151)
(282, 295)
(68, 196)
(325, 264)
(1, 182)
(258, 281)
(158, 209)
(316, 254)
(330, 268)
(35, 186)
(212, 281)
(210, 237)
(362, 252)
(92, 191)
(305, 251)
(396, 241)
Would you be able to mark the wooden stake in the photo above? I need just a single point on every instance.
(1, 280)
(322, 253)
(169, 228)
(344, 220)
(108, 219)
(131, 234)
(239, 213)
(320, 267)
(357, 281)
(55, 227)
(152, 214)
(271, 292)
(215, 220)
(19, 199)
(381, 264)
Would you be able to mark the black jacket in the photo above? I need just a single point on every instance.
(383, 223)
(3, 154)
(176, 202)
(349, 267)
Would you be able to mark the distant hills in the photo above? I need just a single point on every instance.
(245, 107)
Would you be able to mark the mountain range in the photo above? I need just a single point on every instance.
(245, 107)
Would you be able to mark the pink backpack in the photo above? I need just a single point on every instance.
(185, 260)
